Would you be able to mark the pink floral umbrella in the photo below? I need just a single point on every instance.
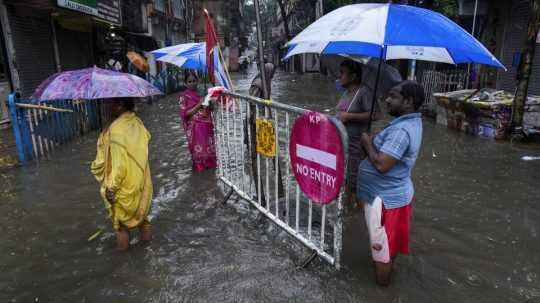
(93, 83)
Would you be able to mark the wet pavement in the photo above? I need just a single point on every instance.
(7, 148)
(475, 231)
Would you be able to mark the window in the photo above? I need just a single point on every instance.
(160, 5)
(178, 9)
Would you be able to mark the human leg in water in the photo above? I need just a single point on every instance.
(145, 230)
(122, 239)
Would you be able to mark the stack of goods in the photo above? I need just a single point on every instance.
(484, 112)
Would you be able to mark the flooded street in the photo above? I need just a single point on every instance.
(475, 236)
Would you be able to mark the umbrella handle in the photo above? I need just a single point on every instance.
(375, 91)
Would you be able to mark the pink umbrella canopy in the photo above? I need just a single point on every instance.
(93, 83)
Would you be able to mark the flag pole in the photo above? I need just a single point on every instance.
(202, 74)
(225, 68)
(220, 54)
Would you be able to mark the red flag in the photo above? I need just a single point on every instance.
(211, 43)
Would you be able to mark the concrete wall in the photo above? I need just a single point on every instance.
(4, 93)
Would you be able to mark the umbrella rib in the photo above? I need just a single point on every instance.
(450, 54)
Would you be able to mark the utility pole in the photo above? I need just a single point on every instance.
(261, 51)
(11, 55)
(319, 9)
(187, 21)
(472, 33)
(168, 10)
(525, 66)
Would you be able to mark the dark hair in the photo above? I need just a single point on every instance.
(190, 73)
(127, 103)
(354, 67)
(411, 89)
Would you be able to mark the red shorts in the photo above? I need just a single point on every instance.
(397, 224)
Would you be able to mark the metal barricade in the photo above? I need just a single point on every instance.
(41, 127)
(168, 81)
(268, 183)
(441, 82)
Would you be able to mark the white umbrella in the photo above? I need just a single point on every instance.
(390, 31)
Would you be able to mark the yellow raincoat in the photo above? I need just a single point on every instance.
(121, 165)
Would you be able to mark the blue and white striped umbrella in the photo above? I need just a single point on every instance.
(391, 31)
(192, 56)
(187, 55)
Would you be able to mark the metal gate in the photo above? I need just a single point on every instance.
(441, 82)
(33, 50)
(39, 128)
(266, 182)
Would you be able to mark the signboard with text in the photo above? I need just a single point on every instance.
(106, 10)
(109, 10)
(317, 157)
(83, 6)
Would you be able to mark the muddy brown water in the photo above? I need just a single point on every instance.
(475, 231)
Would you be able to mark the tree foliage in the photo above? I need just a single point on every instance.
(448, 8)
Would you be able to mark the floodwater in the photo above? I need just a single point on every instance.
(475, 238)
(7, 148)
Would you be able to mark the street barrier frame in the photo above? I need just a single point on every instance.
(283, 204)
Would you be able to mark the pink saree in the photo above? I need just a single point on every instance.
(199, 132)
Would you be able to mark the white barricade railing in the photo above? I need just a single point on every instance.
(268, 182)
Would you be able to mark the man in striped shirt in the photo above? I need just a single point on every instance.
(384, 177)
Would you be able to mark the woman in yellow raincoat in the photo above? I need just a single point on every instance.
(121, 167)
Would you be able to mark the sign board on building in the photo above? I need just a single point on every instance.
(106, 10)
(83, 6)
(109, 10)
(317, 157)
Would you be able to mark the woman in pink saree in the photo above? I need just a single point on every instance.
(198, 126)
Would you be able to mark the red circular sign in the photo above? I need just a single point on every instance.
(317, 157)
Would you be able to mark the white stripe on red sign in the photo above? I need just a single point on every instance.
(316, 155)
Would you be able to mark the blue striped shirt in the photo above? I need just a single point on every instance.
(401, 139)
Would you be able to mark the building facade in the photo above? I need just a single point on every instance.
(230, 28)
(42, 37)
(511, 32)
(298, 14)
